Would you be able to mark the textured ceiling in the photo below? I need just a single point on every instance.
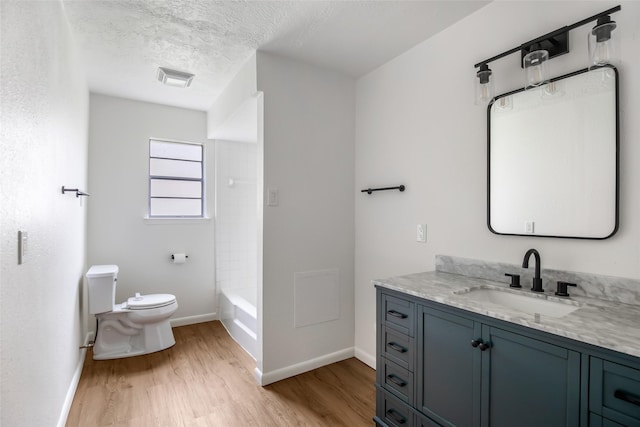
(124, 41)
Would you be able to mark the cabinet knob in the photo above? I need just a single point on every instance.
(479, 344)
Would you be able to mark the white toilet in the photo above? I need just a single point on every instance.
(137, 326)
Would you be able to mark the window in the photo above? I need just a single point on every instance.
(176, 180)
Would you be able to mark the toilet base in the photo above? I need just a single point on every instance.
(118, 337)
(132, 353)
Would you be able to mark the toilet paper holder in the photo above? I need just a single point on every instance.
(173, 256)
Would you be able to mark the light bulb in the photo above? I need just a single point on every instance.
(602, 42)
(485, 93)
(484, 85)
(603, 53)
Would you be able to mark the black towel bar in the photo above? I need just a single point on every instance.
(371, 190)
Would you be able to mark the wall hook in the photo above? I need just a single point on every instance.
(78, 192)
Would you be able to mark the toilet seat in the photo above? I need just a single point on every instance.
(146, 302)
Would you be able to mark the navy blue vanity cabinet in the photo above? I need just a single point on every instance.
(466, 370)
(528, 382)
(597, 421)
(473, 374)
(614, 395)
(449, 368)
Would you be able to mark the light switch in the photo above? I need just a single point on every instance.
(272, 197)
(22, 246)
(421, 233)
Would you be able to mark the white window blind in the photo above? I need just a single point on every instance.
(176, 179)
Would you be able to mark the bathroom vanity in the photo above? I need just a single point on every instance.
(448, 357)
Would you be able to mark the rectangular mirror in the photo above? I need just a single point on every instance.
(552, 154)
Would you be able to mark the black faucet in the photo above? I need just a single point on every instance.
(537, 281)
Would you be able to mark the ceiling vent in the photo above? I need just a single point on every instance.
(174, 78)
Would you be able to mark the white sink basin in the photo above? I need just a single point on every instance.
(520, 301)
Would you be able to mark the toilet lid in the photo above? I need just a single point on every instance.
(143, 302)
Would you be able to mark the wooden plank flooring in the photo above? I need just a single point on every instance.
(206, 379)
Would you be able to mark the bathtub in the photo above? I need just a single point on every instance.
(239, 316)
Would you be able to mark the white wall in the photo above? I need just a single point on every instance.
(44, 104)
(416, 124)
(241, 88)
(308, 157)
(118, 181)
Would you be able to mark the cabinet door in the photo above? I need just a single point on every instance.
(448, 368)
(527, 382)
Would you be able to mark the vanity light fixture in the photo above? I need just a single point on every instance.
(174, 78)
(484, 85)
(534, 61)
(602, 42)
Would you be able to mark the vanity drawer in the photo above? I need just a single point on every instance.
(397, 379)
(397, 347)
(390, 411)
(398, 313)
(598, 421)
(614, 392)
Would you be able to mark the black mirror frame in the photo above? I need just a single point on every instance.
(617, 171)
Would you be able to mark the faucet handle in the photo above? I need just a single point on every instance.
(515, 280)
(562, 288)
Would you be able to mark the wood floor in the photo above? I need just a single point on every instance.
(206, 379)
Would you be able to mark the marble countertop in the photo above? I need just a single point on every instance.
(608, 324)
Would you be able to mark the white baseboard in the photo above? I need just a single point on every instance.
(302, 367)
(257, 374)
(365, 357)
(191, 320)
(73, 386)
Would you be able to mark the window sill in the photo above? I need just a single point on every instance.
(175, 221)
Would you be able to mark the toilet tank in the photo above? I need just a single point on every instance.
(101, 286)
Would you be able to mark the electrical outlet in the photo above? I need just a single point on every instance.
(421, 233)
(529, 227)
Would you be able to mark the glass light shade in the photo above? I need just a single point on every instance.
(484, 86)
(535, 68)
(603, 43)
